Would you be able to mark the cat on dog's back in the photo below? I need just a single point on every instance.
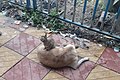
(53, 56)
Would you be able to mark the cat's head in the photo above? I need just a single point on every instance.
(48, 42)
(44, 38)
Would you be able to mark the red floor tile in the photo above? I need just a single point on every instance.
(80, 74)
(23, 43)
(26, 70)
(110, 59)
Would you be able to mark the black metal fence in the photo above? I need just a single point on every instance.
(46, 8)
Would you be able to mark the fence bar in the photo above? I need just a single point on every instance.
(94, 12)
(65, 8)
(34, 4)
(84, 9)
(74, 10)
(105, 14)
(49, 5)
(115, 21)
(1, 1)
(115, 37)
(107, 7)
(41, 3)
(28, 4)
(57, 6)
(92, 29)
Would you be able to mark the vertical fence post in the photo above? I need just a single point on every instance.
(94, 12)
(34, 4)
(115, 21)
(65, 3)
(41, 8)
(49, 5)
(74, 10)
(105, 14)
(1, 1)
(57, 6)
(84, 9)
(28, 4)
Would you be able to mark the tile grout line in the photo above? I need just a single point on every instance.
(39, 64)
(101, 55)
(59, 74)
(14, 51)
(12, 66)
(9, 40)
(105, 77)
(22, 54)
(104, 66)
(46, 74)
(109, 69)
(91, 70)
(95, 63)
(116, 63)
(43, 66)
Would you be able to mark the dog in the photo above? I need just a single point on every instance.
(56, 57)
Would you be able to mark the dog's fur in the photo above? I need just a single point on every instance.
(57, 57)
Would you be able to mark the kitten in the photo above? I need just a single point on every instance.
(48, 43)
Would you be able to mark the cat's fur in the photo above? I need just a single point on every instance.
(57, 57)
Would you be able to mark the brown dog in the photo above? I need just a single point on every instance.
(57, 57)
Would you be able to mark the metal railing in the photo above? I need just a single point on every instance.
(39, 3)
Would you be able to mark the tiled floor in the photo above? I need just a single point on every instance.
(23, 43)
(19, 61)
(80, 74)
(110, 59)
